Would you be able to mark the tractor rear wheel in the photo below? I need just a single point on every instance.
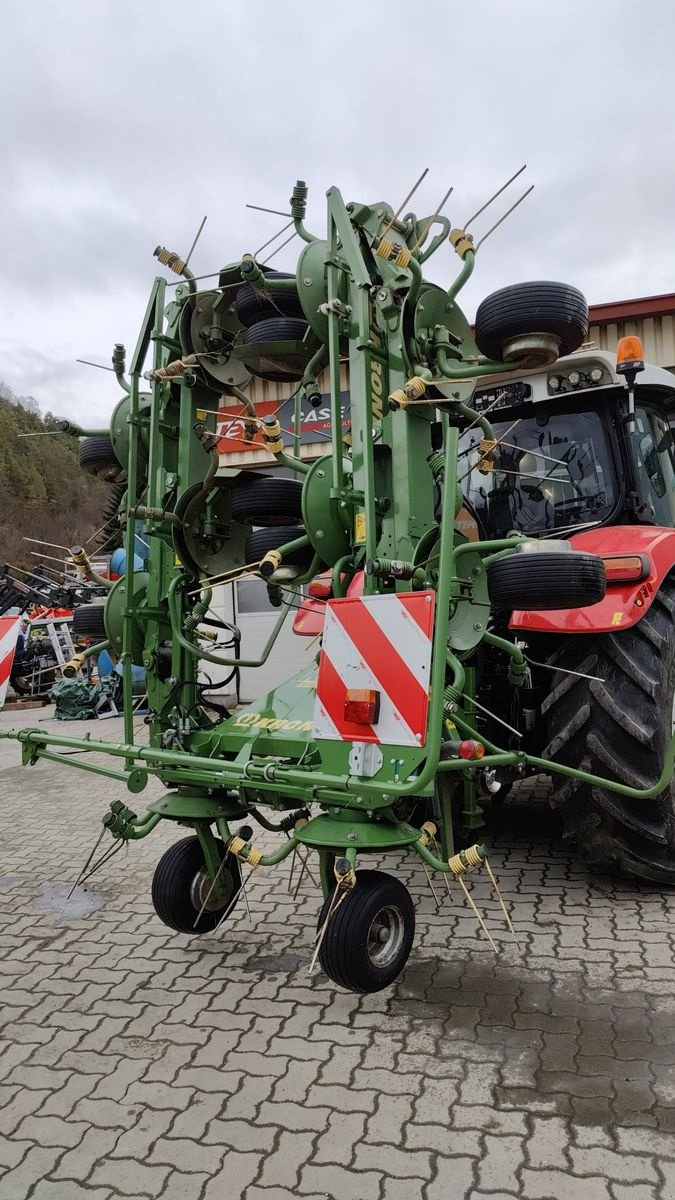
(618, 725)
(368, 939)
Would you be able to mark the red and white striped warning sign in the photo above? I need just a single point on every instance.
(9, 632)
(380, 645)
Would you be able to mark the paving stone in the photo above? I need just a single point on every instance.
(499, 1163)
(633, 1191)
(548, 1143)
(281, 1168)
(19, 1181)
(277, 1193)
(624, 1169)
(240, 1135)
(12, 1151)
(180, 1186)
(130, 1177)
(190, 1072)
(554, 1185)
(234, 1178)
(52, 1131)
(51, 1189)
(454, 1177)
(336, 1144)
(333, 1181)
(402, 1189)
(192, 1123)
(95, 1146)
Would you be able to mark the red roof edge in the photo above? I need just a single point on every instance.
(627, 310)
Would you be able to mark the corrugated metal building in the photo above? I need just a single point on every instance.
(652, 318)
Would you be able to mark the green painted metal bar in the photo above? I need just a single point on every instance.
(91, 651)
(137, 831)
(360, 374)
(464, 275)
(93, 768)
(197, 652)
(293, 464)
(332, 283)
(231, 772)
(474, 417)
(297, 424)
(453, 368)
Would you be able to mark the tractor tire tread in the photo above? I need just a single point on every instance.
(618, 724)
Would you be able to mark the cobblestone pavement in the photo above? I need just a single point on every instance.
(140, 1063)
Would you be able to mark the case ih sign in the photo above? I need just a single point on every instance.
(315, 423)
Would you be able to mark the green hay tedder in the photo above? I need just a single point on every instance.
(432, 587)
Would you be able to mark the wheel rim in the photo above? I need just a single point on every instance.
(385, 936)
(199, 891)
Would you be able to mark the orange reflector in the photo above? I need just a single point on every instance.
(362, 706)
(467, 749)
(321, 587)
(626, 568)
(629, 355)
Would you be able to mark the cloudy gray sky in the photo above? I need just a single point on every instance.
(125, 122)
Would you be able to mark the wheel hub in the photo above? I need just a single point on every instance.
(200, 888)
(385, 936)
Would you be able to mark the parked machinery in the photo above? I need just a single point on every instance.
(417, 666)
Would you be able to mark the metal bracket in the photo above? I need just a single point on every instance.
(365, 759)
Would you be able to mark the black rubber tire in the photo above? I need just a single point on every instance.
(261, 540)
(277, 329)
(23, 684)
(537, 307)
(619, 728)
(253, 305)
(97, 457)
(272, 364)
(546, 580)
(344, 953)
(172, 883)
(265, 500)
(89, 621)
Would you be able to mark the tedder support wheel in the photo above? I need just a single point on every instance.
(181, 884)
(524, 308)
(256, 304)
(264, 500)
(261, 541)
(618, 725)
(89, 620)
(369, 936)
(97, 457)
(546, 580)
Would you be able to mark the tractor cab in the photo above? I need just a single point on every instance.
(575, 446)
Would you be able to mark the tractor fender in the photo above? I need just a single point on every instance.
(624, 604)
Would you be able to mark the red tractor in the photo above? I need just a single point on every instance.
(580, 454)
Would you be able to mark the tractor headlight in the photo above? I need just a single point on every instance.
(574, 378)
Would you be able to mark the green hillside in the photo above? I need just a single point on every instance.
(43, 492)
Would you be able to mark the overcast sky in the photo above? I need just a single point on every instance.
(125, 122)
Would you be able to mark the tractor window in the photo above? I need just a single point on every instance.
(653, 448)
(549, 471)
